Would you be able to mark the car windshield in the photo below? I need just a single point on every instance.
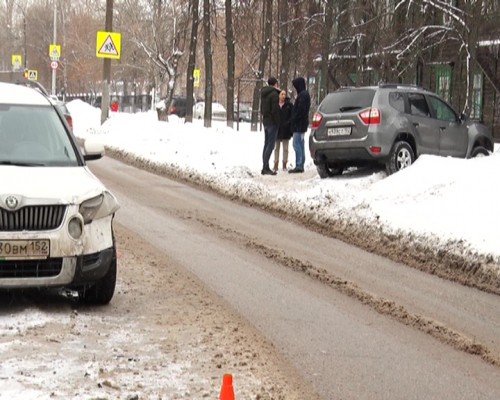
(34, 135)
(347, 100)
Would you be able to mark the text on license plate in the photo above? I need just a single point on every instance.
(340, 131)
(24, 248)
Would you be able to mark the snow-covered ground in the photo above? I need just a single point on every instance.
(442, 201)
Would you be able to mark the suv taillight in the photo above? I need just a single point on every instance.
(316, 121)
(173, 110)
(371, 116)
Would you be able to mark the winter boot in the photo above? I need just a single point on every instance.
(276, 166)
(284, 165)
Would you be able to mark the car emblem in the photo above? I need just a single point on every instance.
(11, 202)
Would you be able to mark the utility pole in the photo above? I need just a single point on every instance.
(106, 68)
(54, 73)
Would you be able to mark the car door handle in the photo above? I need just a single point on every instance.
(442, 128)
(415, 123)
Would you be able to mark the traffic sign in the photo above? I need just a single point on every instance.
(196, 77)
(32, 74)
(108, 45)
(17, 61)
(54, 65)
(55, 52)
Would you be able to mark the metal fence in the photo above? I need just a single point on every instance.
(129, 103)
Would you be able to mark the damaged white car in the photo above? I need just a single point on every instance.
(56, 217)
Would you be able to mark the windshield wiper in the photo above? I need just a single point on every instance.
(21, 164)
(349, 108)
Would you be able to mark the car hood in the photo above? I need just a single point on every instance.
(65, 185)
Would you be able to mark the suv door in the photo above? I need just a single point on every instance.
(453, 134)
(426, 128)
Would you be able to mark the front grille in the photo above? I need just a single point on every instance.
(32, 218)
(30, 268)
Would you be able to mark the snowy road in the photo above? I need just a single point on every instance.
(352, 324)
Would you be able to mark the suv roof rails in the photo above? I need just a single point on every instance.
(401, 85)
(32, 84)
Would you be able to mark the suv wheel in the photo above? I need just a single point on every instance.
(102, 291)
(479, 151)
(324, 171)
(401, 156)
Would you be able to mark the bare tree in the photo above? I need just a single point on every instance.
(160, 31)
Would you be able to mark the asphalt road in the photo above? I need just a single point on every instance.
(354, 325)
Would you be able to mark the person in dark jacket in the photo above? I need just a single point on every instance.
(284, 130)
(269, 108)
(300, 122)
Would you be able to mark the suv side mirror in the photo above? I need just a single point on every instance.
(463, 117)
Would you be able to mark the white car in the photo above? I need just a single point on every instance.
(55, 215)
(218, 111)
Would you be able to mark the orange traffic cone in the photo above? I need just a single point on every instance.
(227, 392)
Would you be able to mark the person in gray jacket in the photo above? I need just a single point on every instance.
(270, 110)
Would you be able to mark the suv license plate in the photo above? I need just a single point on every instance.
(24, 249)
(341, 131)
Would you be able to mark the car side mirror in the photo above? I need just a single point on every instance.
(463, 117)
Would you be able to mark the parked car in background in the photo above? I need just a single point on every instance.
(392, 125)
(245, 113)
(61, 105)
(178, 107)
(218, 111)
(56, 217)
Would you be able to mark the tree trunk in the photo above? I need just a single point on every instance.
(192, 60)
(267, 17)
(285, 44)
(325, 50)
(230, 64)
(207, 49)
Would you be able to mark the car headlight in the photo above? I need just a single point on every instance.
(98, 207)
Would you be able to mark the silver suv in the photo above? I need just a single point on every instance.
(56, 217)
(391, 125)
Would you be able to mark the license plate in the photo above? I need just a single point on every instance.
(37, 248)
(340, 131)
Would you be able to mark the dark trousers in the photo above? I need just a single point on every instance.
(270, 133)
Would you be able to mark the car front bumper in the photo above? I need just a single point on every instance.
(60, 272)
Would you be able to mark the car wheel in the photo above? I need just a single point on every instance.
(479, 151)
(103, 290)
(324, 171)
(402, 156)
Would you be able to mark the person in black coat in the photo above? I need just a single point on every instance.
(300, 122)
(284, 130)
(270, 119)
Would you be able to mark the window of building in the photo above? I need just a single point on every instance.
(477, 97)
(443, 82)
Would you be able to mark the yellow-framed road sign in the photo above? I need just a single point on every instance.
(196, 78)
(31, 74)
(108, 45)
(54, 52)
(17, 60)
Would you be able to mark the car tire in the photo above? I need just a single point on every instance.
(324, 171)
(102, 291)
(479, 151)
(402, 156)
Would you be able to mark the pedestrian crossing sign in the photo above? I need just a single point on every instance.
(17, 61)
(108, 45)
(32, 74)
(55, 52)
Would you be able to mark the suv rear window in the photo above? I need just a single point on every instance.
(347, 100)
